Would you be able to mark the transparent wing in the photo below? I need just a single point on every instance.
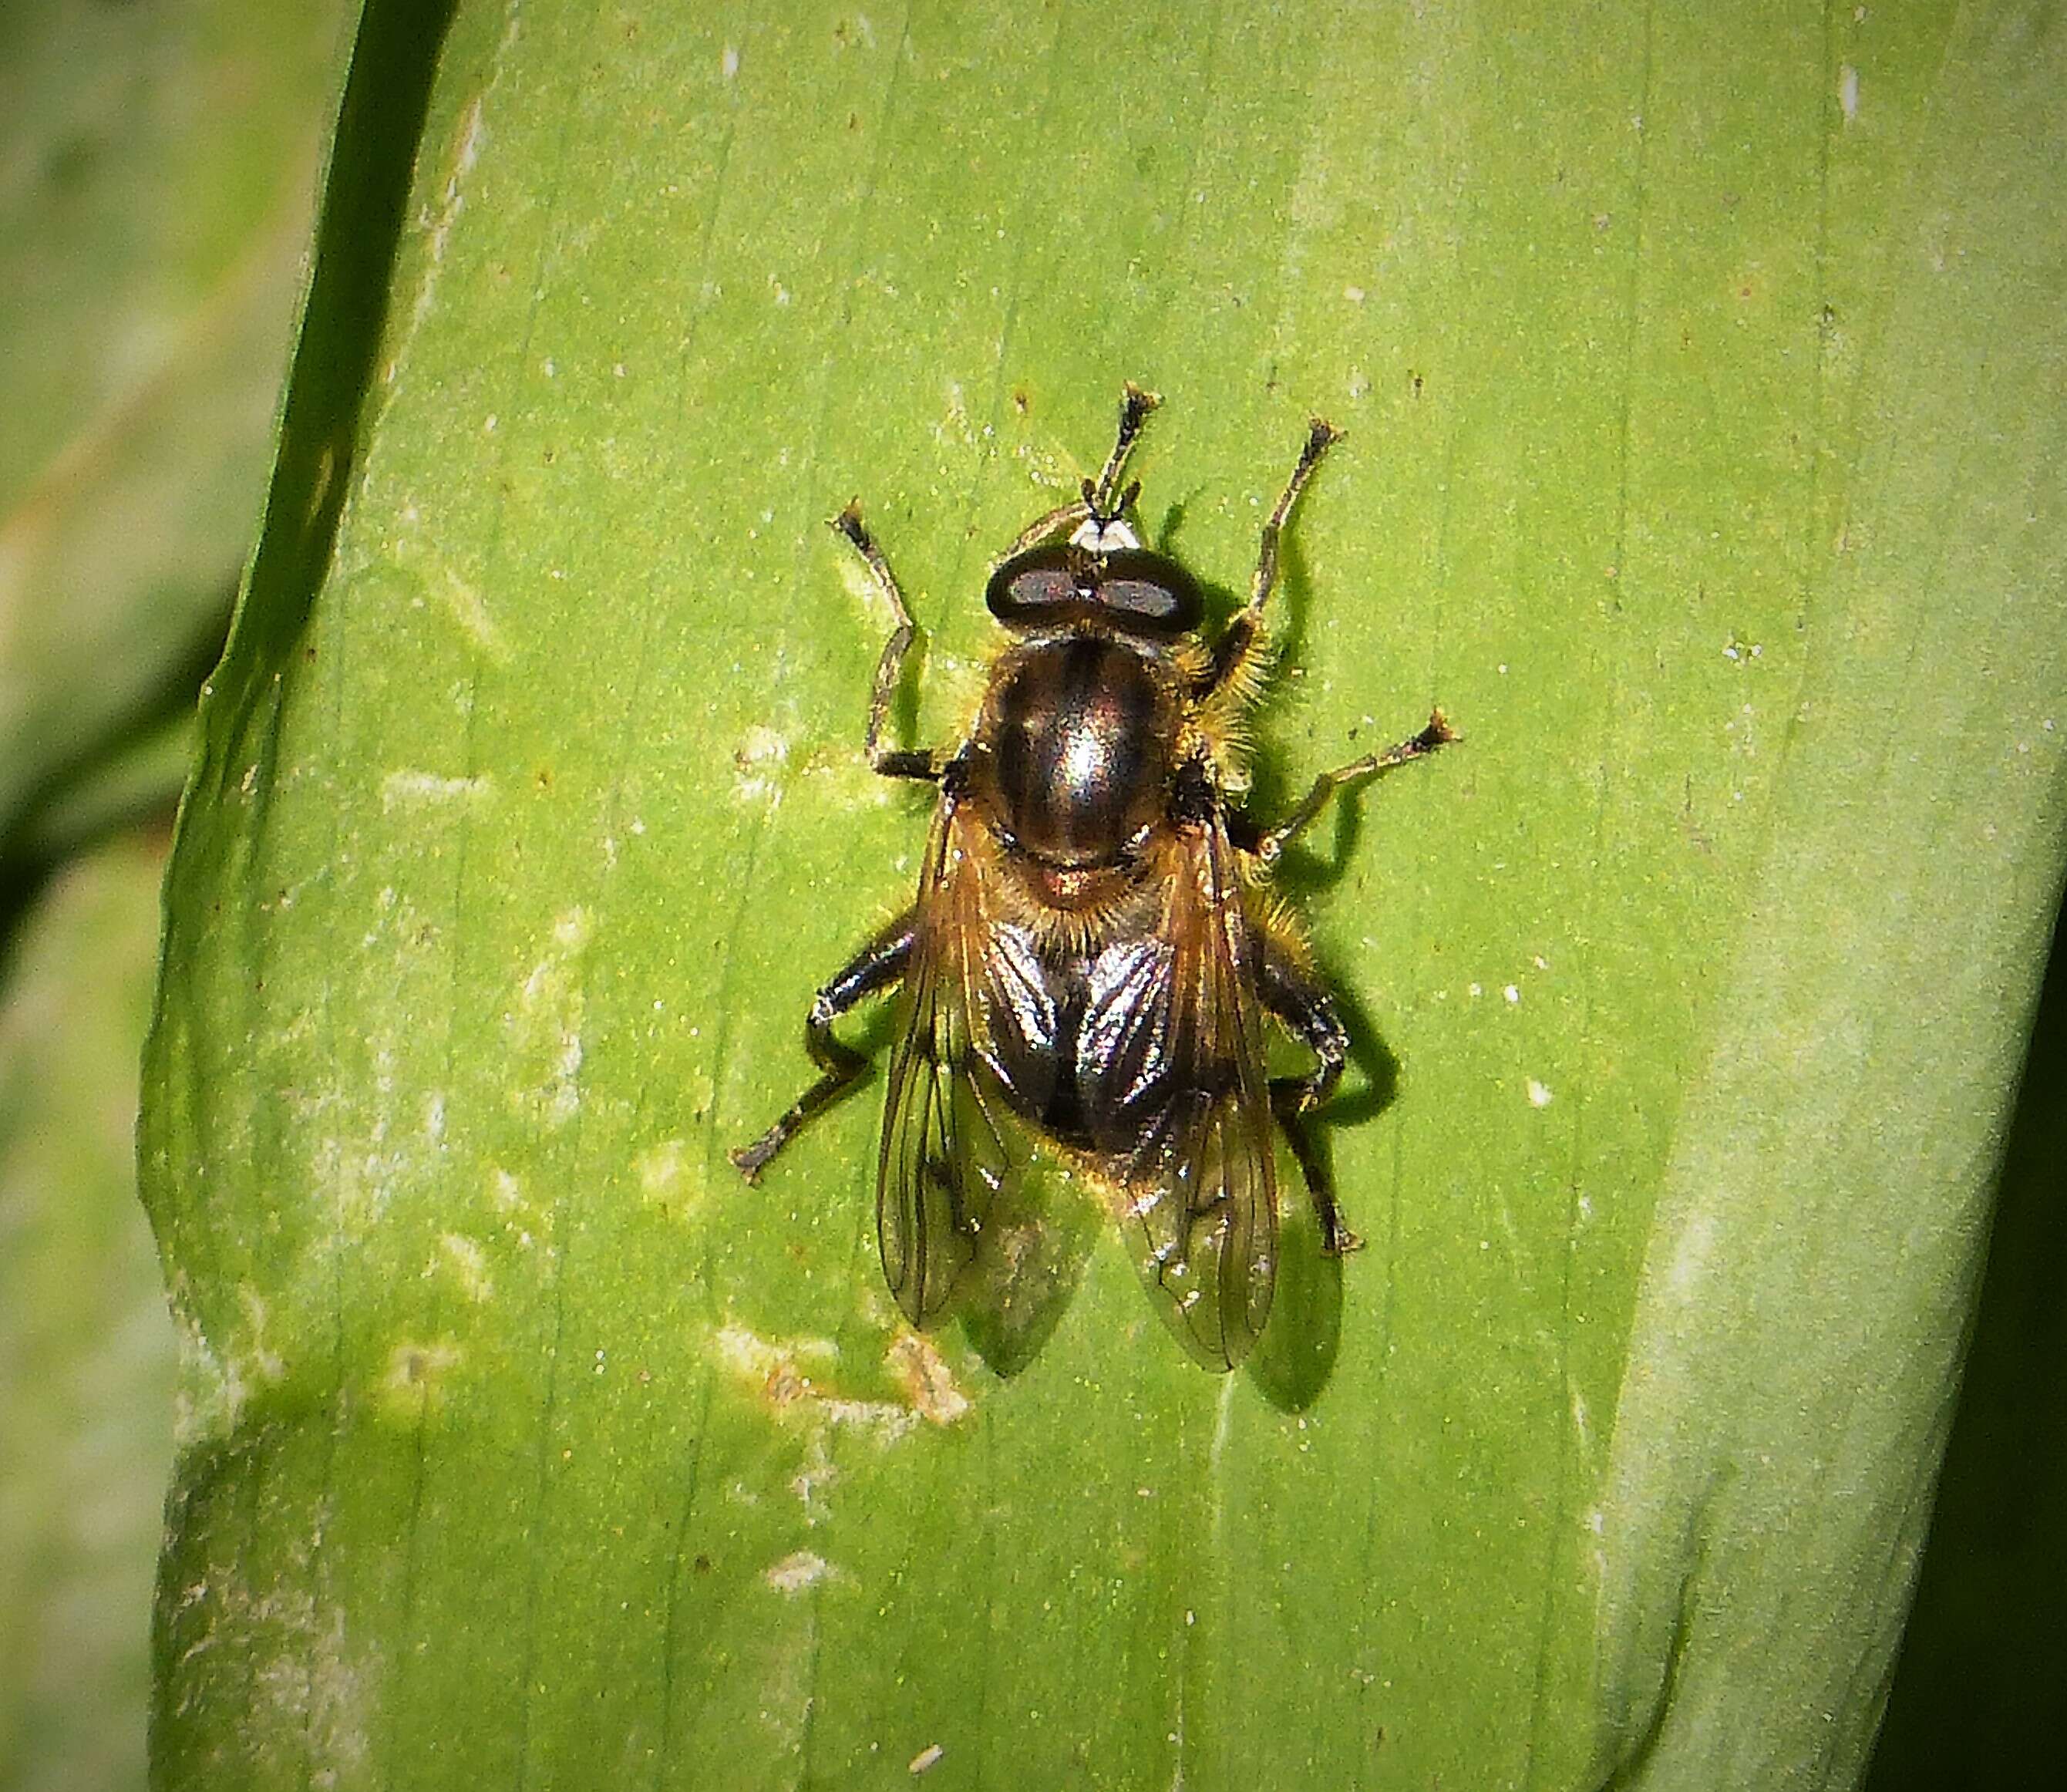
(944, 1149)
(1177, 1027)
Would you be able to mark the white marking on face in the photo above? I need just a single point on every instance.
(1105, 536)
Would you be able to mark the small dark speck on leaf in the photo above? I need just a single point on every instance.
(70, 162)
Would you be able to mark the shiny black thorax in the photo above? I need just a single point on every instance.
(1072, 756)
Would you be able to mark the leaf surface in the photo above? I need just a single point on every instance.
(1704, 393)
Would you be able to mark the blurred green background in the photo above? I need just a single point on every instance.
(158, 168)
(158, 165)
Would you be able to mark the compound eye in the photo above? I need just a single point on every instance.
(1149, 593)
(1035, 586)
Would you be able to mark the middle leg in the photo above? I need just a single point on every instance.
(1272, 842)
(879, 965)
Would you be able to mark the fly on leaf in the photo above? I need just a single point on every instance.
(1094, 953)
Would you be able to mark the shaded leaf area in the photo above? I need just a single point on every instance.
(1697, 464)
(1843, 1144)
(157, 168)
(86, 1347)
(1983, 1659)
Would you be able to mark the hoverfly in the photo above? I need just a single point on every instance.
(1094, 953)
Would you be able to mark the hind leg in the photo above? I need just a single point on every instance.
(1296, 997)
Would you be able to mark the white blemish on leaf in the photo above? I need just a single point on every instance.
(414, 1377)
(566, 1066)
(1223, 1426)
(1539, 1096)
(927, 1758)
(955, 426)
(1691, 1255)
(795, 1572)
(216, 1384)
(760, 756)
(1848, 91)
(285, 1661)
(753, 1357)
(207, 1403)
(413, 790)
(928, 1381)
(209, 1399)
(470, 611)
(466, 152)
(466, 1262)
(664, 1176)
(265, 1364)
(438, 227)
(787, 1377)
(819, 1472)
(544, 1029)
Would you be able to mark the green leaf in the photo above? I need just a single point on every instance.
(86, 1349)
(157, 166)
(1704, 398)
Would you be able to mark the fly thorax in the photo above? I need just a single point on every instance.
(1078, 731)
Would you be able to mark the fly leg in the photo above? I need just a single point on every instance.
(1096, 499)
(891, 762)
(1236, 654)
(878, 966)
(1291, 993)
(1271, 842)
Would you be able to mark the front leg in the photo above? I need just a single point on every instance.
(891, 762)
(879, 966)
(1237, 654)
